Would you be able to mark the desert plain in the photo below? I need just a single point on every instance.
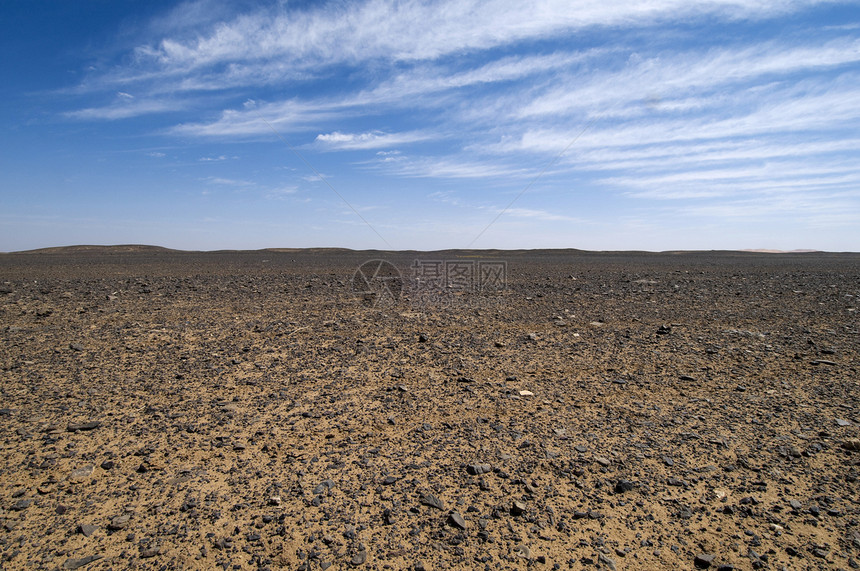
(261, 410)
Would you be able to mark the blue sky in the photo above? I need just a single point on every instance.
(646, 124)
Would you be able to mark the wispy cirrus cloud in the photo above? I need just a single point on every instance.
(126, 108)
(413, 30)
(373, 140)
(646, 107)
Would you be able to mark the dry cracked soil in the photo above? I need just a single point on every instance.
(271, 410)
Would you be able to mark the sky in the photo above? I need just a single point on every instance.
(385, 124)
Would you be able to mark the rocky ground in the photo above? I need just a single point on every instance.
(245, 410)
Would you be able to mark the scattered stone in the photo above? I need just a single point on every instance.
(86, 529)
(151, 551)
(119, 522)
(78, 563)
(609, 562)
(703, 560)
(456, 520)
(523, 551)
(851, 444)
(76, 347)
(323, 486)
(432, 501)
(359, 558)
(622, 486)
(84, 426)
(842, 422)
(81, 474)
(526, 394)
(21, 505)
(518, 508)
(603, 461)
(478, 469)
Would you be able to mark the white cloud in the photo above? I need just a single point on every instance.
(412, 30)
(373, 140)
(125, 109)
(228, 181)
(544, 215)
(450, 168)
(668, 79)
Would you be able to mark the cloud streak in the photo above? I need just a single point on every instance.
(490, 92)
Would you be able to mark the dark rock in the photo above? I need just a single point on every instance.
(119, 522)
(76, 347)
(432, 501)
(608, 562)
(151, 551)
(388, 516)
(359, 558)
(478, 469)
(852, 444)
(703, 560)
(78, 563)
(91, 425)
(518, 508)
(323, 486)
(86, 529)
(456, 520)
(21, 505)
(622, 486)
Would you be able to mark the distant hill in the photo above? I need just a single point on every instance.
(766, 251)
(462, 253)
(95, 249)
